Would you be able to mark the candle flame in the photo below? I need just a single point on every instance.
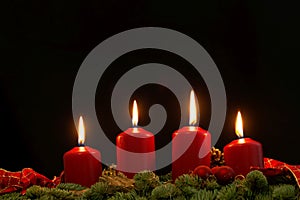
(81, 131)
(193, 109)
(239, 125)
(135, 114)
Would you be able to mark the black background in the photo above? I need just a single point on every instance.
(43, 43)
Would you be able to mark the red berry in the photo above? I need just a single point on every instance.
(224, 175)
(202, 171)
(214, 169)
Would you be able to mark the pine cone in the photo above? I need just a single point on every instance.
(217, 158)
(117, 181)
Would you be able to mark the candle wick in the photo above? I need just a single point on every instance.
(135, 129)
(81, 145)
(192, 128)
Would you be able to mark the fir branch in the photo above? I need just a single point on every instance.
(36, 192)
(13, 196)
(60, 194)
(189, 184)
(179, 198)
(242, 189)
(186, 180)
(98, 191)
(165, 192)
(263, 197)
(166, 177)
(228, 192)
(127, 196)
(188, 191)
(70, 186)
(145, 182)
(205, 195)
(211, 184)
(284, 192)
(257, 182)
(43, 193)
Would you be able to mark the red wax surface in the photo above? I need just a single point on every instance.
(82, 165)
(197, 143)
(135, 151)
(243, 153)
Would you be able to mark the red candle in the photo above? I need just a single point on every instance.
(190, 145)
(243, 153)
(82, 164)
(135, 149)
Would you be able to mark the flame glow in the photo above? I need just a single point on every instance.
(81, 131)
(239, 125)
(135, 114)
(193, 109)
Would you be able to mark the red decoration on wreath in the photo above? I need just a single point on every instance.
(202, 171)
(278, 165)
(21, 180)
(224, 174)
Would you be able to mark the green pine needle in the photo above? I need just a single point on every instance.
(284, 192)
(127, 196)
(36, 192)
(257, 181)
(188, 180)
(165, 192)
(98, 191)
(228, 192)
(166, 177)
(263, 197)
(145, 182)
(205, 195)
(211, 185)
(12, 196)
(70, 186)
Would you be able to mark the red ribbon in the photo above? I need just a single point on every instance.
(21, 180)
(275, 164)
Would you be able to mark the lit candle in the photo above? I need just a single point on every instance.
(243, 153)
(190, 145)
(82, 164)
(135, 148)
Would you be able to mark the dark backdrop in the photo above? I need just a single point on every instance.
(43, 43)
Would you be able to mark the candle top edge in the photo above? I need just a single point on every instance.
(192, 129)
(83, 151)
(138, 132)
(243, 140)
